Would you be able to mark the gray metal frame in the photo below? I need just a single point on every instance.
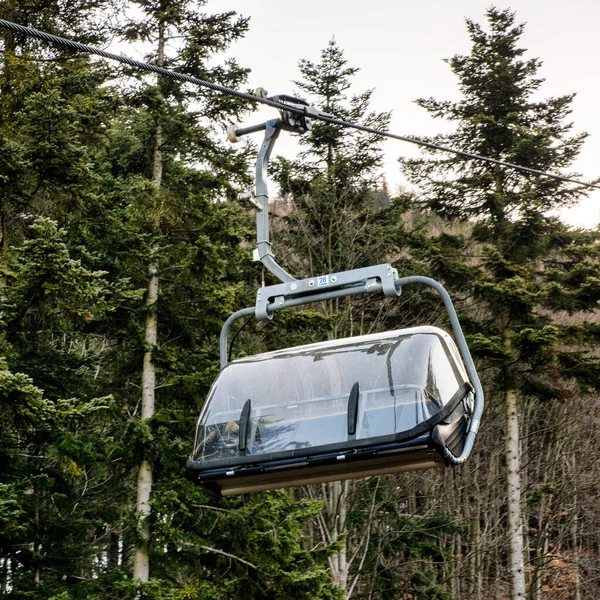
(296, 292)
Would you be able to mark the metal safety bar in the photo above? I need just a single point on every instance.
(279, 302)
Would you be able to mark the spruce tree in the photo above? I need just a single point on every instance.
(53, 111)
(332, 186)
(512, 257)
(133, 175)
(168, 172)
(53, 453)
(337, 216)
(327, 190)
(47, 97)
(173, 246)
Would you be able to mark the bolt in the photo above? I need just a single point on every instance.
(311, 283)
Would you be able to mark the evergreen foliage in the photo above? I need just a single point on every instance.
(515, 258)
(335, 221)
(512, 263)
(105, 173)
(82, 154)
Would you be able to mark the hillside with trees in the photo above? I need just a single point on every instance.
(123, 250)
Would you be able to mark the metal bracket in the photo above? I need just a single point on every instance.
(325, 287)
(298, 122)
(291, 120)
(250, 198)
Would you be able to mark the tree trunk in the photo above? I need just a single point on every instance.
(343, 513)
(336, 503)
(157, 161)
(513, 482)
(141, 565)
(574, 528)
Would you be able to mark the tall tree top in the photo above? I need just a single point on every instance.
(345, 156)
(499, 116)
(329, 79)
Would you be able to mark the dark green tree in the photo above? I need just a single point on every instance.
(53, 111)
(167, 174)
(53, 458)
(169, 209)
(51, 107)
(134, 177)
(513, 262)
(337, 215)
(332, 186)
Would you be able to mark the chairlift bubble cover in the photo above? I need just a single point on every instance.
(341, 409)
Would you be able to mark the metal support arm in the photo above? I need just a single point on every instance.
(374, 283)
(289, 121)
(263, 245)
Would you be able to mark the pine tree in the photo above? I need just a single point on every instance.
(53, 111)
(167, 174)
(328, 187)
(512, 258)
(50, 445)
(166, 222)
(336, 218)
(47, 99)
(332, 185)
(137, 180)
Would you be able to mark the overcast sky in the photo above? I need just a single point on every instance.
(399, 48)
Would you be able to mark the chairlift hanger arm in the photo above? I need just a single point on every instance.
(259, 197)
(263, 244)
(291, 121)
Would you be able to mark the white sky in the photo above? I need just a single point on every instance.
(399, 47)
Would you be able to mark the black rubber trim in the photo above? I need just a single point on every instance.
(438, 417)
(244, 422)
(451, 437)
(403, 436)
(353, 408)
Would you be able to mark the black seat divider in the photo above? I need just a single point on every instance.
(353, 408)
(244, 423)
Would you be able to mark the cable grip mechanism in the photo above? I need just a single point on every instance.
(296, 120)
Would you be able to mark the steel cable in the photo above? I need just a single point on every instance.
(311, 113)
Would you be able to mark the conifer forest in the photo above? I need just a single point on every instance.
(124, 248)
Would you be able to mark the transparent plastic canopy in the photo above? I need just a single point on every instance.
(298, 399)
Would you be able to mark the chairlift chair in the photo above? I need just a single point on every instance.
(368, 405)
